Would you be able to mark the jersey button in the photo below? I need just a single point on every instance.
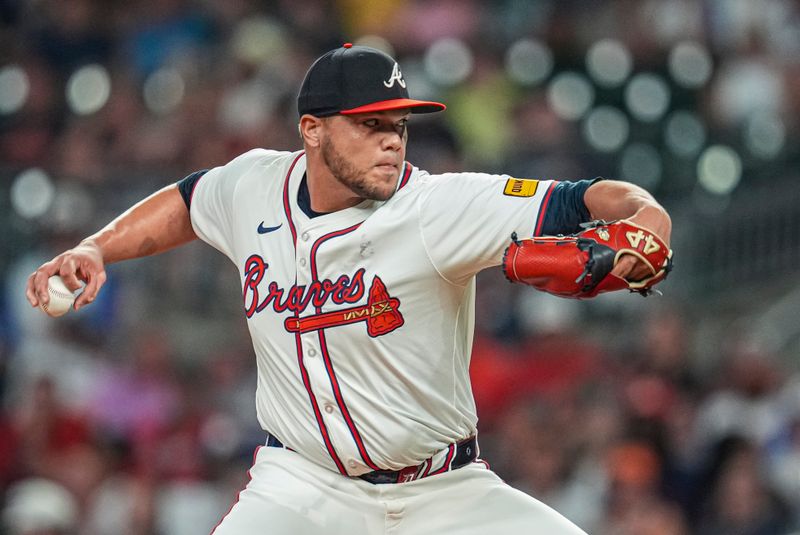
(352, 464)
(305, 236)
(328, 408)
(302, 262)
(312, 352)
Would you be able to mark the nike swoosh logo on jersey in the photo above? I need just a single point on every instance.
(263, 230)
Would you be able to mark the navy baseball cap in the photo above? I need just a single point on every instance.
(357, 79)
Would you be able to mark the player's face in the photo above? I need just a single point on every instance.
(365, 152)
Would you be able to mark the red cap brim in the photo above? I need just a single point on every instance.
(417, 106)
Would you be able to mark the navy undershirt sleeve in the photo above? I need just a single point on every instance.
(186, 185)
(566, 210)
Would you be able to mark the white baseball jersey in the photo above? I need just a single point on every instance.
(362, 319)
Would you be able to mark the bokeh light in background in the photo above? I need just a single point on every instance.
(719, 169)
(258, 40)
(448, 61)
(14, 87)
(647, 97)
(416, 76)
(376, 41)
(570, 95)
(673, 20)
(88, 89)
(641, 164)
(248, 105)
(32, 193)
(609, 62)
(745, 87)
(764, 134)
(684, 133)
(606, 128)
(529, 62)
(163, 91)
(72, 208)
(690, 64)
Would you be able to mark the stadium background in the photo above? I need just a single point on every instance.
(668, 415)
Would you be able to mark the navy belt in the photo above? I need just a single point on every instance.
(457, 456)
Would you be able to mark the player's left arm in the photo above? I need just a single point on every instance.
(612, 200)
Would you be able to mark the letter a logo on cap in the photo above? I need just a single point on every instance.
(396, 76)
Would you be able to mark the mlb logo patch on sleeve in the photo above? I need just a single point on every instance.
(520, 187)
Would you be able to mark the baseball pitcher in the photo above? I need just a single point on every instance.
(358, 283)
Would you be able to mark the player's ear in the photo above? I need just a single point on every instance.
(310, 130)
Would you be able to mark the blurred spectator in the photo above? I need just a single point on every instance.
(480, 113)
(784, 469)
(135, 403)
(71, 34)
(740, 501)
(164, 31)
(647, 516)
(46, 430)
(747, 403)
(40, 507)
(635, 504)
(544, 467)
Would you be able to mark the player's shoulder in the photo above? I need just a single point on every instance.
(256, 168)
(446, 188)
(262, 158)
(420, 178)
(423, 180)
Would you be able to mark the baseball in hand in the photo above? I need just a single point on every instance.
(61, 298)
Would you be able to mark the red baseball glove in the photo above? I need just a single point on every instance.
(580, 265)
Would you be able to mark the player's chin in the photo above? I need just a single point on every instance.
(378, 190)
(379, 193)
(383, 181)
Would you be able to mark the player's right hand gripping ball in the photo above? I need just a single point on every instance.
(61, 297)
(580, 265)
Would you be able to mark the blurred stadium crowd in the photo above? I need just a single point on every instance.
(667, 416)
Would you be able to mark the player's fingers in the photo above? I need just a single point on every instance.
(630, 268)
(94, 283)
(30, 292)
(37, 282)
(69, 274)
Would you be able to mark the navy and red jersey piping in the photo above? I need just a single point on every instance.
(323, 429)
(362, 450)
(287, 207)
(406, 175)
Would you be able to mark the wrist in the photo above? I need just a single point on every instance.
(654, 218)
(91, 246)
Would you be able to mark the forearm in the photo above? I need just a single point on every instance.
(154, 225)
(612, 200)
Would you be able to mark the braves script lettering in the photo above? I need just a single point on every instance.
(343, 290)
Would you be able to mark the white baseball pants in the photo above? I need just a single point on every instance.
(288, 495)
